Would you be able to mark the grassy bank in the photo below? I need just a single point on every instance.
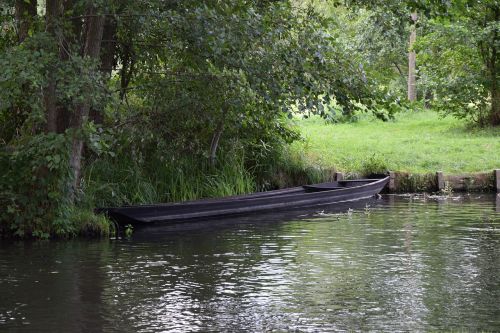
(122, 181)
(419, 142)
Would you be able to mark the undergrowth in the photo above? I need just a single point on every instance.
(122, 181)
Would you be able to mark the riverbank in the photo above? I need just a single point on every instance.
(414, 143)
(414, 147)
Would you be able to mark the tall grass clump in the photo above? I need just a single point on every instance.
(88, 224)
(290, 167)
(119, 181)
(231, 178)
(373, 165)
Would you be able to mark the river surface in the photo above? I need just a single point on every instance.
(400, 263)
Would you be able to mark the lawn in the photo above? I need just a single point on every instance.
(416, 142)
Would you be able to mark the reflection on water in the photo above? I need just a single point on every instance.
(403, 263)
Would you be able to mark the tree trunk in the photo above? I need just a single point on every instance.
(494, 67)
(428, 99)
(108, 52)
(72, 36)
(216, 138)
(127, 68)
(108, 49)
(53, 13)
(93, 38)
(495, 103)
(25, 15)
(412, 86)
(215, 143)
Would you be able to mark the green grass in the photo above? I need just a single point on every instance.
(418, 142)
(119, 181)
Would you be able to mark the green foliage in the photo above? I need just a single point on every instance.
(231, 67)
(374, 36)
(454, 72)
(22, 79)
(379, 38)
(34, 187)
(24, 76)
(129, 230)
(121, 180)
(86, 223)
(374, 165)
(7, 32)
(459, 53)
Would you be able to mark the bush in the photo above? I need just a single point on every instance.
(34, 186)
(86, 223)
(374, 165)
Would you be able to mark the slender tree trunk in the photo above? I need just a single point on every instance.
(72, 36)
(495, 102)
(399, 69)
(94, 31)
(215, 143)
(216, 138)
(108, 52)
(127, 69)
(494, 67)
(25, 15)
(53, 13)
(412, 86)
(108, 48)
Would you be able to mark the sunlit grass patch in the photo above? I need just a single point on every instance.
(414, 142)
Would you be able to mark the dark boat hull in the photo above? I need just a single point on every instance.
(307, 196)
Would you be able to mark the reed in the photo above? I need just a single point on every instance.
(110, 182)
(120, 181)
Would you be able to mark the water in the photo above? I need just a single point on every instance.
(402, 264)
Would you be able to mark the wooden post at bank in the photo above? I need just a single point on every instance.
(497, 180)
(498, 203)
(392, 181)
(339, 176)
(440, 180)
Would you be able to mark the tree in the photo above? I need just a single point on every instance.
(154, 83)
(412, 57)
(25, 16)
(465, 79)
(91, 50)
(398, 23)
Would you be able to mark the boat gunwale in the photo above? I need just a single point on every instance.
(249, 197)
(207, 208)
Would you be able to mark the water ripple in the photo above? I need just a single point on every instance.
(404, 263)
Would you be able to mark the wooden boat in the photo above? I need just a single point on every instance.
(302, 196)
